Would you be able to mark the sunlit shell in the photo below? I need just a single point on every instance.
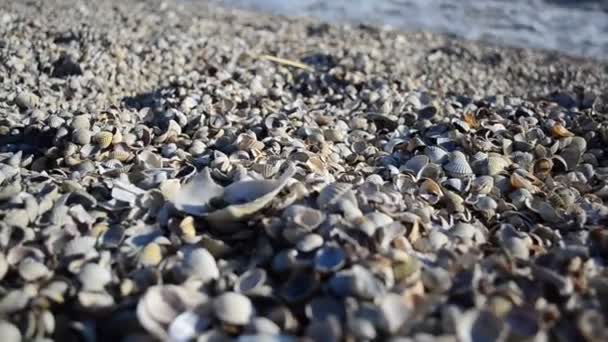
(305, 217)
(233, 308)
(151, 255)
(103, 139)
(430, 191)
(559, 131)
(120, 152)
(81, 136)
(200, 264)
(458, 166)
(94, 277)
(31, 269)
(471, 119)
(436, 154)
(496, 164)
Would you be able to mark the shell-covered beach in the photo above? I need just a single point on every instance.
(178, 171)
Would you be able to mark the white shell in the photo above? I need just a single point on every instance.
(233, 308)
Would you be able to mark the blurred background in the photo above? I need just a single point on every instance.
(573, 27)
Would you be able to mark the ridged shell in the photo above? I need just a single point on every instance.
(416, 164)
(103, 139)
(458, 165)
(436, 154)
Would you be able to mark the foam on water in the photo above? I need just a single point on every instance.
(577, 28)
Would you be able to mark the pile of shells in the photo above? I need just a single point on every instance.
(161, 179)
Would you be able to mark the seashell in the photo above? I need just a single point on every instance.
(233, 308)
(151, 255)
(186, 326)
(120, 152)
(9, 332)
(407, 271)
(496, 164)
(31, 269)
(248, 142)
(357, 281)
(200, 264)
(542, 167)
(339, 197)
(416, 164)
(194, 197)
(545, 210)
(458, 166)
(558, 131)
(430, 191)
(161, 304)
(300, 286)
(329, 259)
(81, 122)
(263, 325)
(482, 185)
(79, 246)
(3, 265)
(520, 179)
(475, 325)
(309, 243)
(253, 282)
(571, 156)
(94, 277)
(372, 221)
(322, 307)
(304, 217)
(103, 139)
(81, 136)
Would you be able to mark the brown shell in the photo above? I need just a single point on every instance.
(471, 120)
(558, 131)
(542, 167)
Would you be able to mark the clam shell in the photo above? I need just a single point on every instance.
(482, 185)
(151, 255)
(199, 263)
(304, 217)
(81, 136)
(31, 269)
(193, 198)
(186, 326)
(252, 282)
(79, 246)
(416, 164)
(9, 332)
(3, 266)
(329, 259)
(458, 166)
(161, 304)
(430, 191)
(300, 286)
(559, 131)
(233, 308)
(103, 139)
(94, 277)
